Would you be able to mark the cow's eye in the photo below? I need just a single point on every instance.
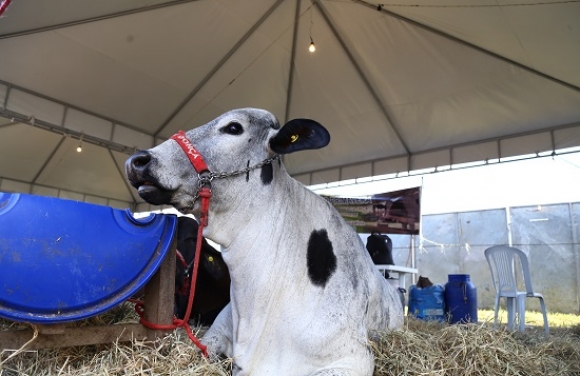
(233, 128)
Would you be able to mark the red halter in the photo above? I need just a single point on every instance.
(204, 188)
(194, 156)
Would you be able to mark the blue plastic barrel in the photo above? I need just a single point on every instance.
(427, 303)
(64, 260)
(460, 299)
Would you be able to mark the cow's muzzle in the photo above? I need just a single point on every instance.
(138, 171)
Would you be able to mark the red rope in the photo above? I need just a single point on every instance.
(181, 259)
(184, 288)
(205, 195)
(3, 6)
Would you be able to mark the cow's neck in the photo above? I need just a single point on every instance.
(245, 202)
(255, 224)
(266, 273)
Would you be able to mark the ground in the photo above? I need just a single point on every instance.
(419, 349)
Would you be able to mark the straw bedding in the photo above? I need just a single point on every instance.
(420, 349)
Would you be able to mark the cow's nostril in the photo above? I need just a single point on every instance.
(141, 159)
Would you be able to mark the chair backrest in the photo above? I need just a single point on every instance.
(502, 263)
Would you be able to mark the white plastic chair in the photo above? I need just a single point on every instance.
(502, 263)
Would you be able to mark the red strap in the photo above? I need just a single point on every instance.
(181, 259)
(204, 198)
(194, 156)
(184, 289)
(4, 5)
(205, 194)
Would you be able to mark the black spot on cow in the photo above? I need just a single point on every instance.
(267, 173)
(320, 258)
(248, 173)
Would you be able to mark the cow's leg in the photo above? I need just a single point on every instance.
(218, 338)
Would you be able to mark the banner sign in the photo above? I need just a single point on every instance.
(397, 212)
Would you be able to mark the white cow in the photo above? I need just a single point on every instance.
(305, 293)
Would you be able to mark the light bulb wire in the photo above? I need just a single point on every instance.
(311, 24)
(80, 147)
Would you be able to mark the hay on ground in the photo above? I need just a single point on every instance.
(419, 349)
(476, 349)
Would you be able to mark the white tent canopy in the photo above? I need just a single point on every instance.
(400, 86)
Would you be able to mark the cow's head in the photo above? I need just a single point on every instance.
(235, 141)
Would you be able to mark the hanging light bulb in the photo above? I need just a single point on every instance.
(80, 147)
(312, 47)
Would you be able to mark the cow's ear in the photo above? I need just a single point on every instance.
(299, 134)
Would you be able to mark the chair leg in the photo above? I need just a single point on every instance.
(545, 314)
(511, 307)
(496, 311)
(522, 312)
